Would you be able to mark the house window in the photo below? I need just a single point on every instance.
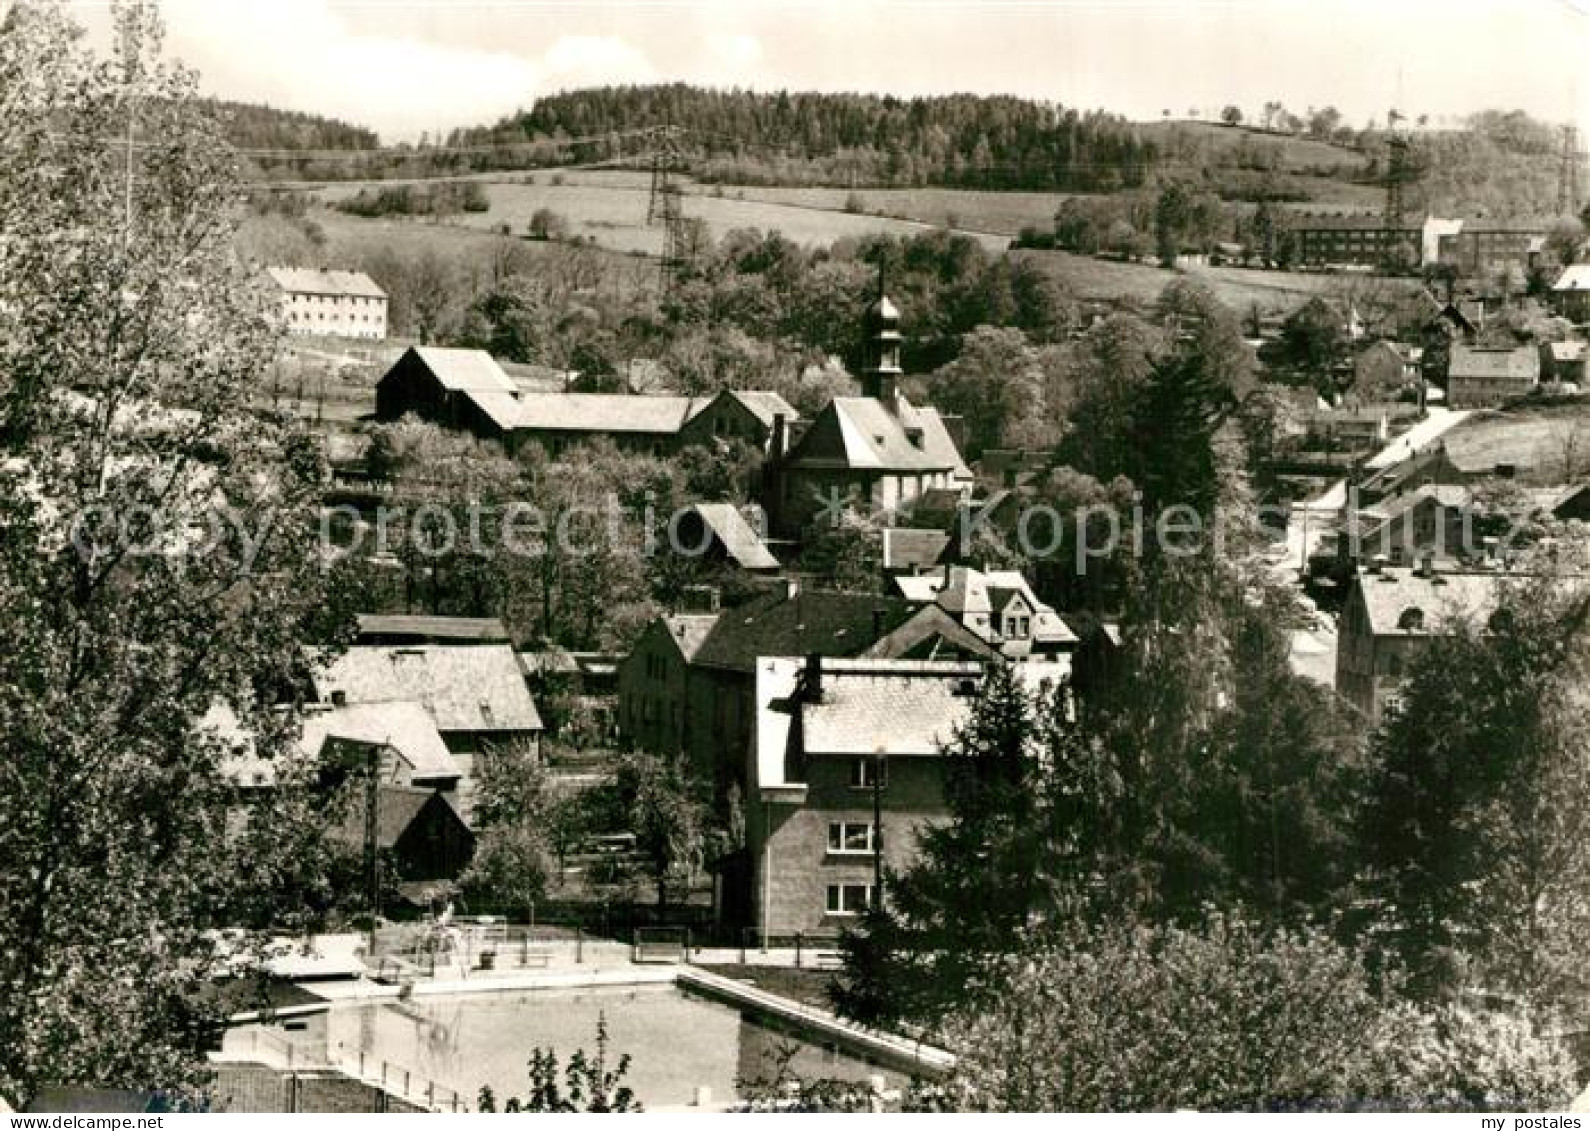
(849, 899)
(863, 772)
(850, 836)
(1016, 628)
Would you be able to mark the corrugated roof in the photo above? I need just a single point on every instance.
(458, 369)
(605, 412)
(313, 281)
(465, 687)
(739, 539)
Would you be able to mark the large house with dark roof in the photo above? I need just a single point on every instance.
(687, 686)
(1390, 617)
(475, 694)
(878, 451)
(844, 770)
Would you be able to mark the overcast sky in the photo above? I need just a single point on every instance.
(421, 65)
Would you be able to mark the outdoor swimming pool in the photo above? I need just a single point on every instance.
(678, 1043)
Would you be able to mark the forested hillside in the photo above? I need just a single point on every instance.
(753, 138)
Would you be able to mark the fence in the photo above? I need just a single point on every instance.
(283, 1053)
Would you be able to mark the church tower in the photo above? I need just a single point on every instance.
(881, 323)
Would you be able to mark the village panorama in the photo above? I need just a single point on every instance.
(793, 558)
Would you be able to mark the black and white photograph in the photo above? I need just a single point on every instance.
(794, 556)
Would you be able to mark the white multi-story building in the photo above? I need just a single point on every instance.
(344, 304)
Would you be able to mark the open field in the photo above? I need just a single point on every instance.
(1533, 440)
(1241, 288)
(610, 207)
(1297, 153)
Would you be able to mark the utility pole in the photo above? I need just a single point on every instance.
(878, 764)
(1568, 173)
(372, 857)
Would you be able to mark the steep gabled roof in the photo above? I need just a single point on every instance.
(762, 404)
(862, 433)
(396, 808)
(458, 369)
(738, 538)
(477, 687)
(1573, 278)
(405, 727)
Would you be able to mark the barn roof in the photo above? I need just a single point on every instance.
(458, 370)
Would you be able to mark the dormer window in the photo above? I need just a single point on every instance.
(1411, 620)
(914, 434)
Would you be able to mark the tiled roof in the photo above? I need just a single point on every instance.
(1574, 278)
(457, 369)
(739, 539)
(406, 727)
(889, 707)
(605, 412)
(477, 687)
(391, 628)
(1522, 362)
(309, 280)
(1390, 594)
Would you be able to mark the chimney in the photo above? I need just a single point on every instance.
(1426, 566)
(814, 678)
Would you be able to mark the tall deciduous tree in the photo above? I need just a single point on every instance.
(156, 555)
(1475, 826)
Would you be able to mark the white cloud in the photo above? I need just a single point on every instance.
(733, 59)
(302, 55)
(593, 60)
